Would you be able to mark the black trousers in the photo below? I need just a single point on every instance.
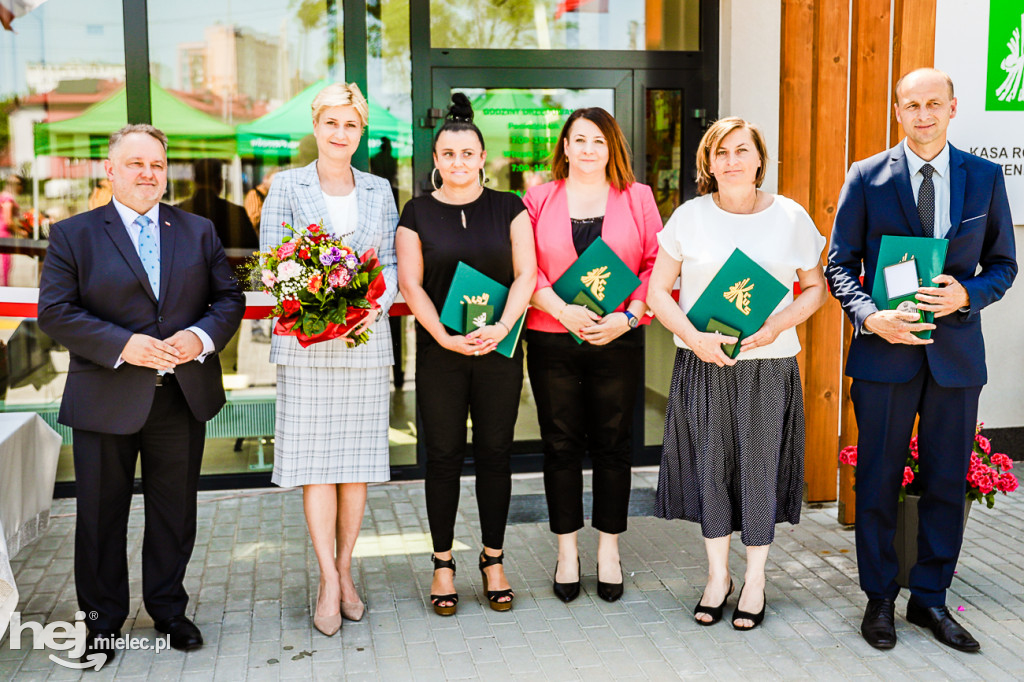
(585, 397)
(171, 443)
(449, 387)
(885, 419)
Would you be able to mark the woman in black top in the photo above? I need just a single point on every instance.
(460, 375)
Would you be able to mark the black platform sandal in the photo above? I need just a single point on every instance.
(493, 596)
(714, 611)
(436, 599)
(755, 618)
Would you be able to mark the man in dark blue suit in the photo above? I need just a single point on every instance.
(922, 187)
(142, 296)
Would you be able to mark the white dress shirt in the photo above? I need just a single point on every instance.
(128, 217)
(940, 179)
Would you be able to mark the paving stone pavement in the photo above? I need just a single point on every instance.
(253, 576)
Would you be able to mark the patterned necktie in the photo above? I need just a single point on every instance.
(926, 201)
(149, 252)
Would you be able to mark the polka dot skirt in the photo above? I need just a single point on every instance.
(733, 454)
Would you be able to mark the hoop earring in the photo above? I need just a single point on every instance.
(434, 184)
(483, 177)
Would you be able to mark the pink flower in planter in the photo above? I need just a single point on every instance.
(908, 476)
(848, 455)
(1002, 461)
(1006, 483)
(983, 443)
(913, 447)
(986, 484)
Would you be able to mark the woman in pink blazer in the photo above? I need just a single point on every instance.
(586, 393)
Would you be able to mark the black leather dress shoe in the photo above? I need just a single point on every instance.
(100, 643)
(940, 621)
(185, 636)
(879, 624)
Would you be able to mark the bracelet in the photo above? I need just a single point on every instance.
(504, 325)
(558, 317)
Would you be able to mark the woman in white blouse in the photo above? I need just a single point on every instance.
(732, 458)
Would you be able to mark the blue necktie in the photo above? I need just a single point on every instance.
(149, 252)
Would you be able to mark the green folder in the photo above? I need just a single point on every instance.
(930, 254)
(731, 349)
(472, 287)
(588, 303)
(601, 276)
(740, 297)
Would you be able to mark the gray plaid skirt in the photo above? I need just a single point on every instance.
(332, 425)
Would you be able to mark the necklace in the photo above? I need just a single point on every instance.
(717, 198)
(444, 198)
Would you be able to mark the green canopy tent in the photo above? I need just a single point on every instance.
(191, 133)
(275, 137)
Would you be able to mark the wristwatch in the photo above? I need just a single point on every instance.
(630, 319)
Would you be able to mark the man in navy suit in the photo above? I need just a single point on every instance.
(141, 295)
(922, 187)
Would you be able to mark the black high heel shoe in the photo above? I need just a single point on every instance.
(436, 599)
(714, 611)
(755, 618)
(493, 596)
(567, 591)
(609, 591)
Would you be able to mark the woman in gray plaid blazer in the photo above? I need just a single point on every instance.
(332, 399)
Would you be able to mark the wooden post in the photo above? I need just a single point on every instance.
(828, 164)
(913, 45)
(869, 119)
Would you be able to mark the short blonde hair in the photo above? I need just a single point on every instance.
(341, 95)
(709, 144)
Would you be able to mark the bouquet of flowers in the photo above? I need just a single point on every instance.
(988, 473)
(323, 288)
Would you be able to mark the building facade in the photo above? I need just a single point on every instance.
(664, 68)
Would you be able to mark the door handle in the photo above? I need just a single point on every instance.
(432, 117)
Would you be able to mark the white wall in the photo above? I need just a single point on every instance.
(750, 50)
(961, 41)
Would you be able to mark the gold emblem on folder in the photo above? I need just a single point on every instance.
(480, 299)
(595, 281)
(739, 294)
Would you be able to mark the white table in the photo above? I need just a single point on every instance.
(28, 466)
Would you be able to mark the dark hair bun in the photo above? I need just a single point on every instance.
(461, 109)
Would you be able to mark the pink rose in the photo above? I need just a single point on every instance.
(269, 279)
(286, 249)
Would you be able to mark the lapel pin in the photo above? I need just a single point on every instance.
(167, 223)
